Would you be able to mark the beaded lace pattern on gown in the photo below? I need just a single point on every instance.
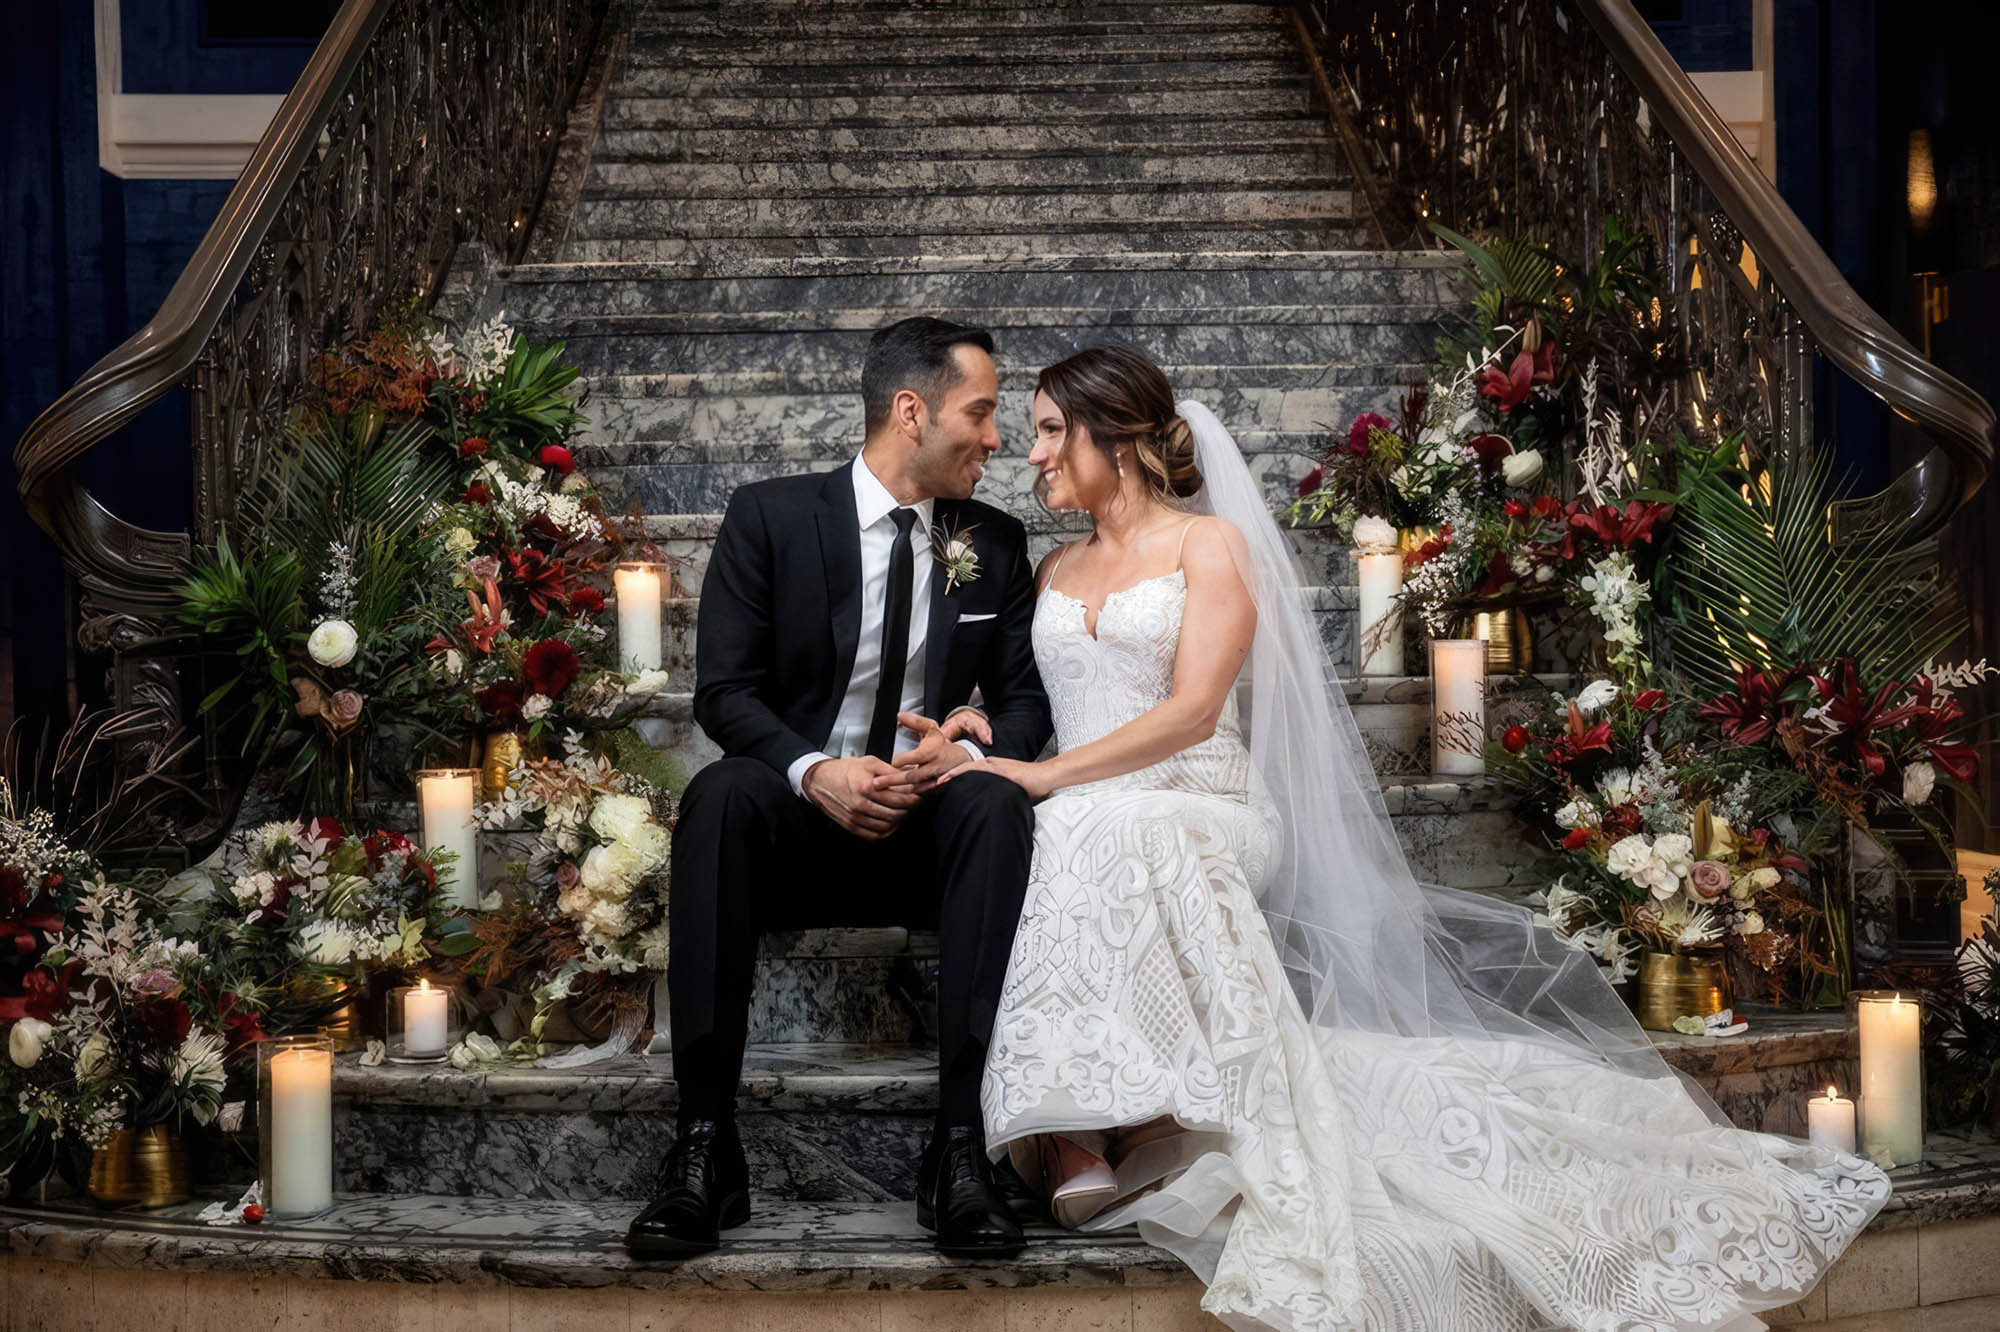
(1341, 1179)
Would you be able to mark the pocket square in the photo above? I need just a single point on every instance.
(974, 619)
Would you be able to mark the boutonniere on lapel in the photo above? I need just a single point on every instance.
(952, 547)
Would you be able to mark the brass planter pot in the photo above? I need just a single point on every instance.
(1672, 986)
(145, 1167)
(503, 750)
(1510, 643)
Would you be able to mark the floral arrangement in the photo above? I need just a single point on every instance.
(1664, 847)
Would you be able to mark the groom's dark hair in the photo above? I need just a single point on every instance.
(914, 354)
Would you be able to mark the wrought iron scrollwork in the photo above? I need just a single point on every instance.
(1545, 117)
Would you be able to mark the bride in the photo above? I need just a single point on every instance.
(1232, 1017)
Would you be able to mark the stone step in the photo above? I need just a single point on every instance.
(961, 248)
(948, 109)
(967, 214)
(1318, 166)
(790, 47)
(862, 143)
(676, 78)
(752, 22)
(830, 1123)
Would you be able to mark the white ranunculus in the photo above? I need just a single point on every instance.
(1596, 694)
(1630, 857)
(1919, 780)
(648, 683)
(1675, 853)
(615, 817)
(25, 1041)
(1521, 469)
(537, 706)
(332, 643)
(1373, 534)
(611, 870)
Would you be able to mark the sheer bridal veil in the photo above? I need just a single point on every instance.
(1367, 947)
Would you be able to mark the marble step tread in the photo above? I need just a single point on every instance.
(877, 143)
(965, 247)
(814, 78)
(897, 178)
(753, 21)
(997, 318)
(1187, 376)
(945, 109)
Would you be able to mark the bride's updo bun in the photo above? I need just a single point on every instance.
(1123, 399)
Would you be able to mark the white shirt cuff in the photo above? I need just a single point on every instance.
(796, 774)
(972, 749)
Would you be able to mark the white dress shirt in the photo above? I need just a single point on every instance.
(872, 506)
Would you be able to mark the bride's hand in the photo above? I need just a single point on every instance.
(968, 724)
(1034, 778)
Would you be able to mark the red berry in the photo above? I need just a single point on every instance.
(1515, 739)
(252, 1214)
(558, 458)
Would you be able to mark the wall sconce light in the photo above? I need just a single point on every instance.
(1922, 188)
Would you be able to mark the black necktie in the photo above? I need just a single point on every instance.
(895, 638)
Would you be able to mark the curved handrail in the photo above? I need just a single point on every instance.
(157, 358)
(1960, 424)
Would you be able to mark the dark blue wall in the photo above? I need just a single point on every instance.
(85, 259)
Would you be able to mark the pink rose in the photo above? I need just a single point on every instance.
(567, 875)
(342, 709)
(1709, 879)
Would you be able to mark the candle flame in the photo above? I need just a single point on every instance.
(423, 983)
(1830, 1096)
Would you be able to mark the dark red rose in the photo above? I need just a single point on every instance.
(1364, 425)
(477, 493)
(558, 458)
(472, 446)
(586, 601)
(1310, 481)
(1514, 739)
(1649, 700)
(1515, 509)
(550, 666)
(328, 830)
(501, 701)
(166, 1020)
(1575, 838)
(1624, 818)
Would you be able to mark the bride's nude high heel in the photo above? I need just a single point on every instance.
(1080, 1183)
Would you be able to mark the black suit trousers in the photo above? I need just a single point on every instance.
(751, 857)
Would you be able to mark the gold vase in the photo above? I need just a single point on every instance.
(1510, 644)
(1672, 985)
(1411, 539)
(145, 1167)
(503, 750)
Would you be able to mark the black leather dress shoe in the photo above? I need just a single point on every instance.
(957, 1200)
(1027, 1207)
(703, 1190)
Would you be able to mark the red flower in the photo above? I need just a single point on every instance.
(472, 446)
(1753, 711)
(1515, 509)
(557, 457)
(1547, 506)
(1858, 715)
(544, 580)
(586, 601)
(477, 493)
(1616, 529)
(1578, 740)
(1310, 481)
(1650, 699)
(489, 617)
(252, 1214)
(328, 830)
(1624, 818)
(1499, 575)
(501, 701)
(1575, 838)
(1514, 739)
(1509, 388)
(1933, 722)
(1489, 449)
(1364, 425)
(550, 666)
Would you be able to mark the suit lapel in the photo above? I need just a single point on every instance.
(840, 557)
(944, 616)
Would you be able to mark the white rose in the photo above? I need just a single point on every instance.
(653, 844)
(647, 682)
(1596, 694)
(25, 1041)
(1630, 857)
(332, 643)
(1752, 923)
(537, 706)
(615, 817)
(1520, 469)
(1675, 853)
(1374, 534)
(1919, 779)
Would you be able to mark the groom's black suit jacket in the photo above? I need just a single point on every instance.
(781, 618)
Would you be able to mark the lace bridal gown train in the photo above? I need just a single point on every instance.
(1321, 1175)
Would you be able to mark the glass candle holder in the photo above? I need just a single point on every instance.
(445, 799)
(1892, 1077)
(295, 1124)
(1458, 706)
(640, 588)
(422, 1021)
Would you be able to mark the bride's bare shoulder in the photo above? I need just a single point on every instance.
(1215, 543)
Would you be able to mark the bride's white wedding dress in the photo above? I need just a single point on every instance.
(1329, 1178)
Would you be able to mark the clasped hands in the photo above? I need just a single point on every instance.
(869, 797)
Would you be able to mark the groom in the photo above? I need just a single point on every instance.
(834, 628)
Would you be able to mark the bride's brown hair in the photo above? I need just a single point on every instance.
(1122, 398)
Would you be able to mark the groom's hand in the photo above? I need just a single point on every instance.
(864, 795)
(936, 754)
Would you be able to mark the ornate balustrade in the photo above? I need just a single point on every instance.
(417, 125)
(1545, 117)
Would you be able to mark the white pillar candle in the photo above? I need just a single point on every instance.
(638, 590)
(1892, 1079)
(301, 1129)
(424, 1019)
(1830, 1121)
(445, 798)
(1458, 706)
(1380, 575)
